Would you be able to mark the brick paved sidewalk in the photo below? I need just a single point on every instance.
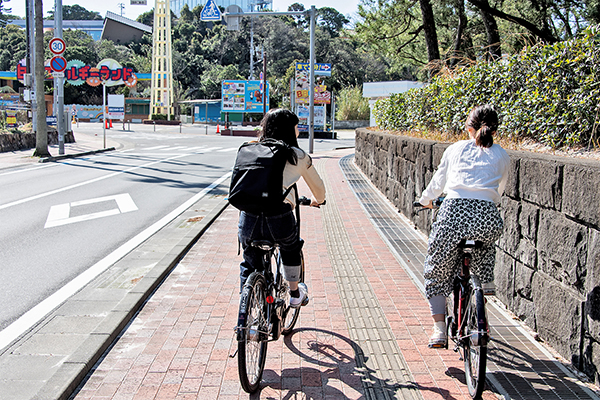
(179, 344)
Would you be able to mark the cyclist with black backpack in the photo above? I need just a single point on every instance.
(263, 188)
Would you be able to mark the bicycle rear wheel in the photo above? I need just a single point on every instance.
(252, 332)
(291, 314)
(475, 344)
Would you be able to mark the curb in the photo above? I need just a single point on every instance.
(111, 301)
(74, 370)
(70, 375)
(65, 156)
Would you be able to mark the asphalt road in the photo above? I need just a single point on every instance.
(61, 219)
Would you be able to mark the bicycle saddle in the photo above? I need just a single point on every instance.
(470, 244)
(263, 244)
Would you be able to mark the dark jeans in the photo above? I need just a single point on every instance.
(280, 229)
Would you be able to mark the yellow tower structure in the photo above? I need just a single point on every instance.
(161, 97)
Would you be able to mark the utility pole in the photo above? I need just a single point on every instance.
(30, 60)
(122, 7)
(41, 137)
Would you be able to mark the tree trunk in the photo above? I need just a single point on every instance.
(493, 35)
(433, 51)
(41, 137)
(462, 24)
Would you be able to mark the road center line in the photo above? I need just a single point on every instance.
(33, 316)
(101, 178)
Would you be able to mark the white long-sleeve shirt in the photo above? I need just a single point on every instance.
(468, 171)
(304, 169)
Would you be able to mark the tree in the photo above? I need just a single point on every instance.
(76, 12)
(331, 20)
(4, 13)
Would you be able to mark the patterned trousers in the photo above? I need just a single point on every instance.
(460, 219)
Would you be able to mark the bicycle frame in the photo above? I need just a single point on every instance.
(465, 286)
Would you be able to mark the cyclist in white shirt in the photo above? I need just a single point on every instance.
(473, 174)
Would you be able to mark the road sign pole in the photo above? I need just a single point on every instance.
(59, 82)
(311, 94)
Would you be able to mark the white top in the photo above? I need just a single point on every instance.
(304, 169)
(468, 171)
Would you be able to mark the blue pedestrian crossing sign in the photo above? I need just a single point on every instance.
(210, 12)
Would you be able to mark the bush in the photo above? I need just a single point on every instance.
(351, 105)
(163, 117)
(546, 93)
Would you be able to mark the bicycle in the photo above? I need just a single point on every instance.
(466, 318)
(264, 313)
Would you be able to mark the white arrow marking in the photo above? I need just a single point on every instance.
(60, 214)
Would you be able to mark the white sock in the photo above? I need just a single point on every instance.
(440, 326)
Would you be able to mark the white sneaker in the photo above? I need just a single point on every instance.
(439, 338)
(296, 302)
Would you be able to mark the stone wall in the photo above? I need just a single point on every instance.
(24, 141)
(351, 124)
(548, 259)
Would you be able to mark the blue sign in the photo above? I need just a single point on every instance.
(210, 12)
(243, 96)
(51, 120)
(320, 68)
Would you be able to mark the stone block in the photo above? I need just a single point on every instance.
(511, 235)
(512, 184)
(593, 259)
(581, 192)
(558, 314)
(562, 249)
(592, 313)
(436, 154)
(529, 221)
(540, 181)
(504, 273)
(591, 360)
(527, 254)
(523, 278)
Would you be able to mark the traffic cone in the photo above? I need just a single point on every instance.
(110, 121)
(218, 130)
(106, 124)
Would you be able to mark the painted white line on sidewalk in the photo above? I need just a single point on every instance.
(101, 178)
(33, 316)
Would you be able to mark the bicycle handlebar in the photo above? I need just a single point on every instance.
(305, 201)
(436, 204)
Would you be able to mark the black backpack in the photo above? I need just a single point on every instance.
(257, 177)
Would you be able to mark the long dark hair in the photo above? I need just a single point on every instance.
(484, 119)
(280, 124)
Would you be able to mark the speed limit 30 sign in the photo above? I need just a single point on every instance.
(57, 46)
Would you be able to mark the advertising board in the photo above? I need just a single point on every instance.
(243, 96)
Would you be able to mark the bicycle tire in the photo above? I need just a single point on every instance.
(291, 314)
(475, 356)
(252, 336)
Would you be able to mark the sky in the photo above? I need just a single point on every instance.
(347, 7)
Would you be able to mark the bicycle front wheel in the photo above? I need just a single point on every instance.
(252, 332)
(291, 314)
(475, 344)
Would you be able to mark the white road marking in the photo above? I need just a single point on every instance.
(101, 178)
(33, 316)
(27, 169)
(154, 148)
(60, 214)
(229, 149)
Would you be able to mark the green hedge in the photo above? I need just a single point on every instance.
(550, 94)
